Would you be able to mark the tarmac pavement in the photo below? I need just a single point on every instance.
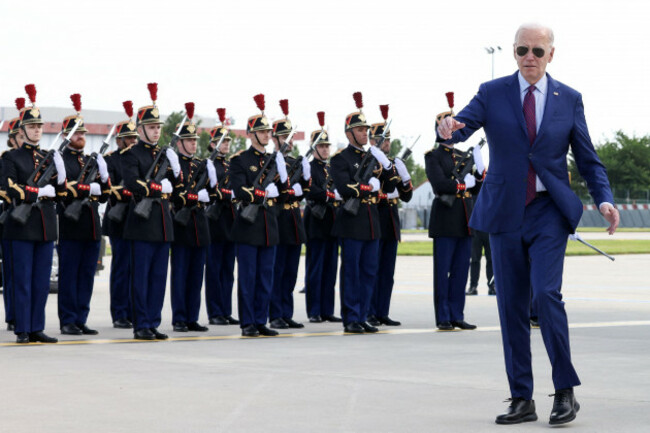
(406, 379)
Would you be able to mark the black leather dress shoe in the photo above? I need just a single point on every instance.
(232, 321)
(123, 324)
(472, 291)
(41, 337)
(196, 327)
(565, 407)
(519, 411)
(292, 323)
(368, 328)
(279, 324)
(250, 331)
(534, 322)
(372, 320)
(461, 324)
(445, 326)
(491, 291)
(332, 319)
(218, 320)
(158, 335)
(22, 338)
(389, 322)
(86, 330)
(71, 329)
(11, 326)
(315, 319)
(263, 330)
(144, 334)
(180, 327)
(353, 328)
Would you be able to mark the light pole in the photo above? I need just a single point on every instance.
(491, 51)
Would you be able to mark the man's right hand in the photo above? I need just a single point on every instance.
(447, 127)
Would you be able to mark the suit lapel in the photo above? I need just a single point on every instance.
(515, 100)
(552, 92)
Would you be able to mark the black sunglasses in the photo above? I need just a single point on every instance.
(522, 51)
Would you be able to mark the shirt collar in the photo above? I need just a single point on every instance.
(541, 85)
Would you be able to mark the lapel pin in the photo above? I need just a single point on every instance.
(556, 94)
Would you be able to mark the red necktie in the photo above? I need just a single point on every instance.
(531, 126)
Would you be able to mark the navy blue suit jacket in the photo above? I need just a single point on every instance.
(497, 108)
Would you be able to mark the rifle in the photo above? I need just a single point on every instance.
(319, 209)
(460, 170)
(295, 169)
(408, 151)
(364, 173)
(214, 210)
(156, 173)
(89, 173)
(41, 176)
(183, 215)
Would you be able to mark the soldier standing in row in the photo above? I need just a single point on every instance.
(220, 265)
(79, 239)
(113, 226)
(291, 228)
(322, 247)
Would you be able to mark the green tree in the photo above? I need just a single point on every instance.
(417, 172)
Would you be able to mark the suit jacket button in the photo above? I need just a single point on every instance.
(530, 155)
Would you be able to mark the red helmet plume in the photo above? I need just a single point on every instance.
(358, 99)
(20, 103)
(221, 112)
(76, 101)
(128, 108)
(31, 93)
(321, 118)
(259, 101)
(189, 109)
(153, 91)
(284, 105)
(384, 111)
(450, 99)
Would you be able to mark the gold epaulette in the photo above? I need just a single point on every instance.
(236, 153)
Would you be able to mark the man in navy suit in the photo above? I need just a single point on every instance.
(527, 206)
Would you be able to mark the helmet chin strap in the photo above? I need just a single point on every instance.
(27, 138)
(185, 148)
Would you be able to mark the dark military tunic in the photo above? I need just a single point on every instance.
(321, 192)
(196, 233)
(119, 193)
(221, 229)
(290, 223)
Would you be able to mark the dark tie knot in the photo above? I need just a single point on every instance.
(531, 89)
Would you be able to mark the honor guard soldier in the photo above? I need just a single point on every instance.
(290, 226)
(150, 174)
(191, 235)
(358, 176)
(322, 247)
(88, 184)
(114, 219)
(481, 242)
(31, 240)
(390, 229)
(448, 227)
(220, 265)
(15, 140)
(254, 183)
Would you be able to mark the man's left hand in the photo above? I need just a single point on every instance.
(610, 213)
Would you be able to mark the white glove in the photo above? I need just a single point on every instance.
(103, 168)
(469, 180)
(212, 173)
(401, 170)
(172, 157)
(46, 191)
(166, 186)
(380, 156)
(232, 194)
(306, 168)
(60, 168)
(374, 183)
(337, 196)
(394, 194)
(575, 237)
(95, 189)
(272, 191)
(282, 167)
(204, 197)
(478, 159)
(297, 189)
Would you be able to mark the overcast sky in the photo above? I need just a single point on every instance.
(316, 54)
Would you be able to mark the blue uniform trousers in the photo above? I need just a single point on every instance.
(219, 278)
(254, 283)
(321, 263)
(285, 274)
(149, 261)
(359, 264)
(30, 265)
(450, 266)
(188, 264)
(120, 277)
(77, 266)
(7, 284)
(380, 301)
(533, 257)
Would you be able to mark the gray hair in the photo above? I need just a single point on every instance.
(536, 26)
